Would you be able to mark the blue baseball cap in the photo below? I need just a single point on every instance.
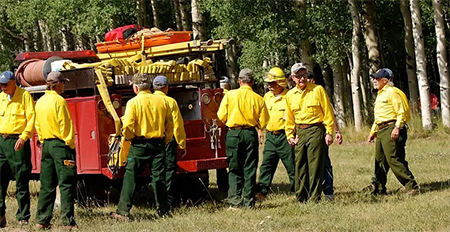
(6, 76)
(224, 80)
(160, 81)
(384, 72)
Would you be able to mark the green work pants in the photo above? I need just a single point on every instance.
(15, 165)
(309, 163)
(171, 168)
(242, 157)
(142, 153)
(58, 167)
(276, 147)
(391, 154)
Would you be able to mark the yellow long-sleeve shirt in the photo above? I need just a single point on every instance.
(17, 115)
(53, 120)
(178, 123)
(147, 115)
(308, 106)
(243, 107)
(276, 105)
(391, 104)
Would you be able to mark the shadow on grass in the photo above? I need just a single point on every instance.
(434, 186)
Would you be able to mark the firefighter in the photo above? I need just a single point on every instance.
(148, 124)
(16, 127)
(161, 87)
(276, 146)
(58, 165)
(391, 112)
(243, 111)
(309, 120)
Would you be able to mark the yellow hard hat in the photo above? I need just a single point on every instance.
(275, 74)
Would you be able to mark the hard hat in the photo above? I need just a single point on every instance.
(275, 74)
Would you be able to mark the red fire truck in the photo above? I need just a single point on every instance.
(99, 88)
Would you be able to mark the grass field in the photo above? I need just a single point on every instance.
(352, 210)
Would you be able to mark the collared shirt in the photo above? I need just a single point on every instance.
(243, 107)
(276, 105)
(308, 106)
(147, 115)
(391, 104)
(225, 91)
(178, 123)
(17, 114)
(53, 120)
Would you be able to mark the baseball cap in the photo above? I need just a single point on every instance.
(6, 76)
(384, 72)
(297, 67)
(160, 81)
(54, 77)
(224, 80)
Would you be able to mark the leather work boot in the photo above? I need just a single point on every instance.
(259, 196)
(69, 227)
(117, 216)
(23, 222)
(43, 226)
(2, 221)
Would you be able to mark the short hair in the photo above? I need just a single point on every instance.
(143, 86)
(246, 76)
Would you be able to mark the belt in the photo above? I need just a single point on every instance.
(304, 126)
(278, 132)
(385, 124)
(10, 136)
(143, 138)
(241, 127)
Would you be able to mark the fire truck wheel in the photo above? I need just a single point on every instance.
(192, 188)
(92, 191)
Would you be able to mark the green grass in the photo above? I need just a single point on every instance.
(352, 210)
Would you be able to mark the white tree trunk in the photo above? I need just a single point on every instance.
(155, 15)
(198, 22)
(356, 66)
(305, 45)
(338, 94)
(184, 15)
(370, 35)
(142, 12)
(421, 64)
(410, 57)
(441, 53)
(176, 9)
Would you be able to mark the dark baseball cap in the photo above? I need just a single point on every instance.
(384, 72)
(54, 77)
(160, 81)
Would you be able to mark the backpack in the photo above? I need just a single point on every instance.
(122, 33)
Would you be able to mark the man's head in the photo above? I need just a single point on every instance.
(160, 83)
(299, 75)
(276, 80)
(56, 81)
(381, 78)
(225, 83)
(8, 82)
(246, 77)
(140, 82)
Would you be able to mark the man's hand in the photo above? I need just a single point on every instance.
(339, 138)
(293, 141)
(260, 136)
(183, 152)
(371, 138)
(19, 144)
(328, 139)
(395, 133)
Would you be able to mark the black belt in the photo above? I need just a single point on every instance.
(143, 138)
(385, 124)
(241, 127)
(304, 126)
(278, 132)
(10, 136)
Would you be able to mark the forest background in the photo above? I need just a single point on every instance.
(341, 41)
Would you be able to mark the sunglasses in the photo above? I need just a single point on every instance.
(305, 75)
